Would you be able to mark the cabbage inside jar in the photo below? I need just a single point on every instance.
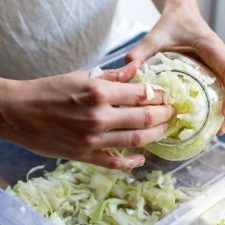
(194, 92)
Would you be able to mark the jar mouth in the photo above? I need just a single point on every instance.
(163, 141)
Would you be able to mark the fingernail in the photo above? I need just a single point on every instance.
(165, 126)
(137, 64)
(173, 110)
(120, 74)
(141, 163)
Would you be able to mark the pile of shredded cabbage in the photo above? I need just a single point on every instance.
(187, 96)
(78, 193)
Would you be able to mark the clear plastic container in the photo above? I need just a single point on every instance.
(209, 117)
(206, 171)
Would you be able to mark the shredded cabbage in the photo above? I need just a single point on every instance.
(189, 99)
(79, 193)
(96, 72)
(222, 222)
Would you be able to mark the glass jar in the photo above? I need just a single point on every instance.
(209, 117)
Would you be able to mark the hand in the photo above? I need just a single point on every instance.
(181, 28)
(74, 117)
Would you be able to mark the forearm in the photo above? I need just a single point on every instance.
(9, 91)
(171, 4)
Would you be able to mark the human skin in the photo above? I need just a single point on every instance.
(181, 28)
(72, 116)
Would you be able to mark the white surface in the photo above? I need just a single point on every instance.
(143, 11)
(47, 37)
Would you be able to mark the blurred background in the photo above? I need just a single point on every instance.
(212, 11)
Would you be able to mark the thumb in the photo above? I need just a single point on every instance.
(212, 51)
(144, 50)
(123, 74)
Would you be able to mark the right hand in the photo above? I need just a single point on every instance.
(74, 117)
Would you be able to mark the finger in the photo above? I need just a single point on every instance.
(104, 159)
(145, 49)
(123, 74)
(221, 130)
(140, 117)
(108, 118)
(131, 139)
(211, 49)
(129, 94)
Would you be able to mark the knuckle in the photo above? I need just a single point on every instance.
(96, 92)
(161, 130)
(140, 95)
(148, 118)
(96, 119)
(170, 111)
(115, 74)
(163, 127)
(88, 141)
(114, 164)
(136, 140)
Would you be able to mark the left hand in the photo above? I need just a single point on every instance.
(71, 116)
(181, 28)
